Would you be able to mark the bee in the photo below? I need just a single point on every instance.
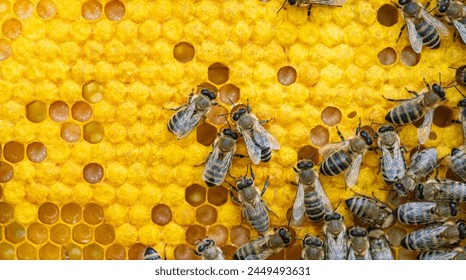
(335, 236)
(188, 115)
(208, 250)
(151, 254)
(435, 236)
(443, 254)
(358, 244)
(379, 245)
(422, 164)
(413, 109)
(446, 190)
(370, 210)
(308, 4)
(253, 207)
(345, 156)
(423, 28)
(392, 161)
(264, 246)
(460, 75)
(259, 142)
(310, 196)
(220, 159)
(455, 13)
(313, 248)
(425, 212)
(457, 162)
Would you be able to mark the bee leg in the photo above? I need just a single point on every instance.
(456, 121)
(395, 100)
(266, 184)
(175, 109)
(191, 95)
(426, 83)
(413, 92)
(239, 156)
(309, 10)
(252, 172)
(234, 198)
(293, 183)
(268, 208)
(340, 135)
(196, 253)
(265, 121)
(401, 31)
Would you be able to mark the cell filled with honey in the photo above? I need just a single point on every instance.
(217, 195)
(195, 233)
(136, 252)
(104, 234)
(239, 235)
(6, 212)
(184, 252)
(74, 251)
(93, 252)
(115, 252)
(82, 233)
(7, 251)
(60, 233)
(71, 213)
(93, 214)
(195, 195)
(36, 152)
(6, 172)
(37, 233)
(27, 251)
(81, 111)
(93, 173)
(13, 152)
(218, 233)
(49, 251)
(206, 215)
(59, 111)
(48, 213)
(161, 214)
(15, 233)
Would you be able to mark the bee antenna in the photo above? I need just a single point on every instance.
(440, 77)
(457, 89)
(284, 2)
(335, 210)
(451, 67)
(231, 101)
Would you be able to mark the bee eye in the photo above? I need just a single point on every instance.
(227, 131)
(250, 182)
(420, 191)
(236, 116)
(403, 2)
(319, 242)
(292, 2)
(462, 103)
(454, 209)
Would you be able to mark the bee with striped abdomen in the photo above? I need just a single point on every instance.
(379, 245)
(335, 236)
(264, 246)
(371, 210)
(423, 28)
(310, 196)
(188, 116)
(259, 142)
(460, 75)
(422, 164)
(208, 250)
(151, 254)
(425, 212)
(457, 162)
(308, 4)
(413, 109)
(345, 156)
(443, 254)
(313, 248)
(446, 190)
(455, 13)
(358, 244)
(435, 236)
(392, 161)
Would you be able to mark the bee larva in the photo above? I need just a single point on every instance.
(371, 211)
(335, 236)
(151, 254)
(264, 246)
(446, 190)
(425, 212)
(379, 245)
(455, 13)
(208, 250)
(443, 254)
(435, 236)
(392, 161)
(358, 244)
(313, 248)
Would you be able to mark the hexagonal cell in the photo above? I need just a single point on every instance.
(15, 233)
(93, 214)
(115, 252)
(195, 233)
(115, 10)
(331, 116)
(395, 235)
(239, 235)
(218, 115)
(443, 116)
(387, 56)
(93, 92)
(91, 10)
(70, 132)
(206, 134)
(7, 251)
(218, 73)
(6, 212)
(183, 52)
(404, 254)
(71, 213)
(217, 195)
(23, 9)
(287, 75)
(36, 111)
(206, 215)
(319, 135)
(74, 252)
(6, 172)
(136, 252)
(309, 152)
(104, 234)
(37, 233)
(293, 253)
(93, 173)
(13, 152)
(81, 111)
(36, 152)
(432, 136)
(26, 251)
(59, 111)
(228, 251)
(82, 234)
(46, 9)
(218, 233)
(50, 251)
(49, 213)
(184, 252)
(409, 57)
(93, 252)
(12, 28)
(161, 214)
(60, 234)
(195, 195)
(229, 94)
(387, 15)
(93, 132)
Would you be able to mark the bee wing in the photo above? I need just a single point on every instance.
(265, 138)
(254, 151)
(351, 177)
(217, 166)
(463, 122)
(336, 248)
(189, 119)
(384, 254)
(423, 131)
(435, 22)
(327, 2)
(414, 38)
(461, 28)
(298, 205)
(445, 254)
(351, 254)
(422, 207)
(330, 148)
(323, 195)
(399, 160)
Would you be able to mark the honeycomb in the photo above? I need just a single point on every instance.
(88, 165)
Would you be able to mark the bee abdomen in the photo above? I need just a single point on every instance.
(430, 35)
(403, 114)
(335, 164)
(315, 209)
(173, 122)
(244, 251)
(214, 176)
(259, 220)
(266, 154)
(458, 163)
(358, 206)
(407, 214)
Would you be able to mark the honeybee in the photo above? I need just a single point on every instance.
(392, 161)
(435, 236)
(313, 248)
(422, 164)
(413, 109)
(220, 159)
(335, 236)
(443, 254)
(446, 190)
(259, 142)
(208, 250)
(264, 246)
(425, 212)
(457, 162)
(455, 13)
(151, 254)
(345, 156)
(188, 115)
(253, 207)
(310, 196)
(423, 28)
(358, 244)
(379, 245)
(308, 4)
(460, 75)
(370, 210)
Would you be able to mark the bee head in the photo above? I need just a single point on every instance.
(333, 216)
(385, 128)
(439, 91)
(461, 228)
(462, 103)
(204, 244)
(367, 138)
(442, 5)
(284, 235)
(238, 114)
(209, 94)
(305, 164)
(400, 189)
(357, 232)
(312, 241)
(230, 132)
(453, 209)
(244, 183)
(420, 191)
